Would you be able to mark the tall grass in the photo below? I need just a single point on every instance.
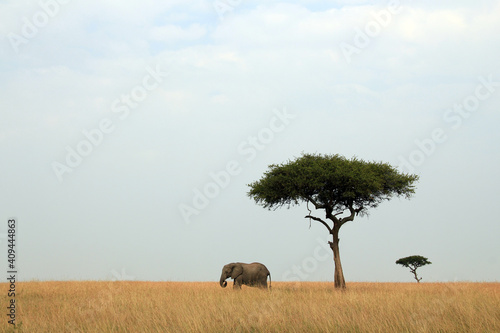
(289, 307)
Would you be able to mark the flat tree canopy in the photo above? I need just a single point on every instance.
(334, 184)
(413, 262)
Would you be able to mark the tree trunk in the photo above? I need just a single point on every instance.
(339, 274)
(414, 271)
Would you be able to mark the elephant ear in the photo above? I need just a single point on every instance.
(237, 271)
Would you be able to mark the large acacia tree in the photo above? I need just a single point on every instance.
(339, 187)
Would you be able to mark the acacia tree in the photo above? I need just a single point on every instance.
(342, 188)
(413, 262)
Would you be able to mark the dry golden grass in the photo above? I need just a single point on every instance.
(289, 307)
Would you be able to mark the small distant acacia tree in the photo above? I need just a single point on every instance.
(414, 262)
(335, 185)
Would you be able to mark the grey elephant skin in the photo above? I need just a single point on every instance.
(253, 275)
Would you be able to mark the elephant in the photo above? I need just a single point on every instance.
(254, 275)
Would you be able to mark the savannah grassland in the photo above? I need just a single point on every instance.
(129, 306)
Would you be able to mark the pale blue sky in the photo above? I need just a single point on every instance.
(130, 130)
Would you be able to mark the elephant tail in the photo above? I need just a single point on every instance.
(269, 273)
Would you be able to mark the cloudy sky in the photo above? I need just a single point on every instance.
(130, 130)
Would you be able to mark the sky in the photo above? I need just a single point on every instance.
(130, 131)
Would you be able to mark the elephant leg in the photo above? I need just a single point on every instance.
(237, 282)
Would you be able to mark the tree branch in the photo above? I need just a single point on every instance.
(353, 211)
(316, 205)
(333, 217)
(319, 220)
(414, 271)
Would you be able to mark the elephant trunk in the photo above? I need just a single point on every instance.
(223, 282)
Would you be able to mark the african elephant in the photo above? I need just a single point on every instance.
(254, 274)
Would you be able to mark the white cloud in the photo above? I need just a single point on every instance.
(424, 27)
(173, 33)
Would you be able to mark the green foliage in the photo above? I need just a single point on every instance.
(331, 182)
(413, 261)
